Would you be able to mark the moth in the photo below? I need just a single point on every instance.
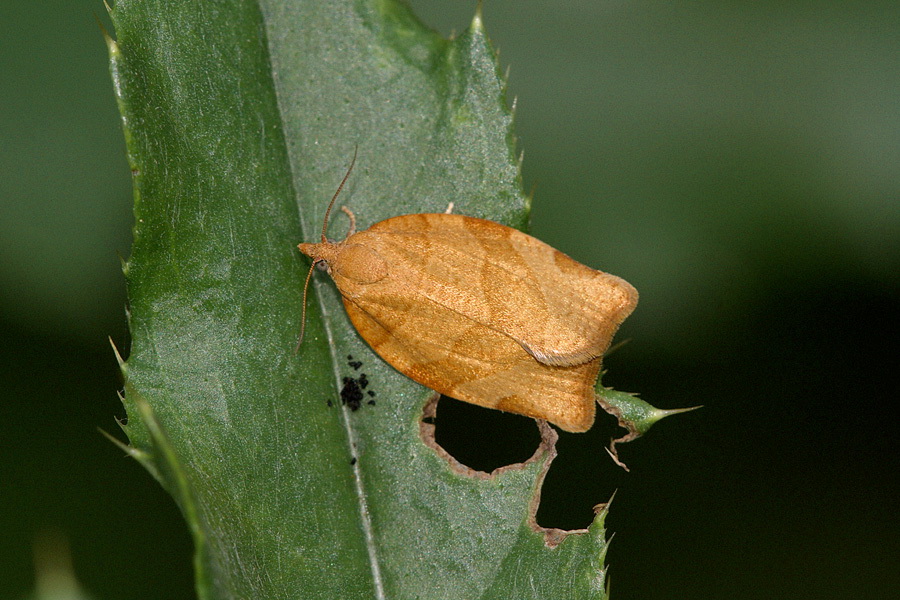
(478, 311)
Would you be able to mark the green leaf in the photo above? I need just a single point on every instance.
(634, 414)
(240, 119)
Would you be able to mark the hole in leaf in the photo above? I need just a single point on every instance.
(581, 476)
(481, 438)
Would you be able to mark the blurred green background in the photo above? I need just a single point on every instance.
(738, 162)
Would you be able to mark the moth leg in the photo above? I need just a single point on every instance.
(449, 209)
(350, 214)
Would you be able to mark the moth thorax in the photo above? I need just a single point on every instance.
(357, 263)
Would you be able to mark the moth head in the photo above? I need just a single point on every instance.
(321, 253)
(354, 262)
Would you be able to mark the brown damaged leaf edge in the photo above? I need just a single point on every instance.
(552, 536)
(478, 311)
(427, 429)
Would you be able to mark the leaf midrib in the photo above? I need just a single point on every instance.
(327, 318)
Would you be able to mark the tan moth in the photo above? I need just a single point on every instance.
(479, 311)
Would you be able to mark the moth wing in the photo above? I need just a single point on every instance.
(463, 359)
(561, 312)
(584, 307)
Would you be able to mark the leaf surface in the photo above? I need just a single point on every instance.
(240, 119)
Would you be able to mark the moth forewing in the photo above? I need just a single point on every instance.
(560, 311)
(455, 356)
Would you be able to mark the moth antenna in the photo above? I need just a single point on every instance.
(352, 218)
(340, 187)
(303, 317)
